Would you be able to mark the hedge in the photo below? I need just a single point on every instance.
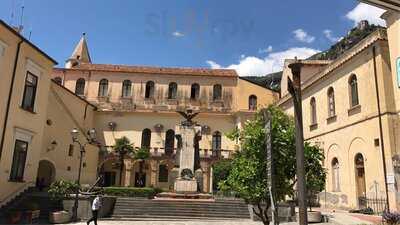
(132, 192)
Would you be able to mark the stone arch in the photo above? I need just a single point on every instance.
(46, 173)
(332, 153)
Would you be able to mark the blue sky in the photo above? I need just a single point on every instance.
(251, 36)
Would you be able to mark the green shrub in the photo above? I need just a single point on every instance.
(132, 192)
(62, 189)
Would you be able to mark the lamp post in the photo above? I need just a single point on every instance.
(91, 139)
(294, 88)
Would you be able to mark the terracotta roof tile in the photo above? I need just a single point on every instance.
(157, 70)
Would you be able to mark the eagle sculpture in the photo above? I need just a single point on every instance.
(188, 115)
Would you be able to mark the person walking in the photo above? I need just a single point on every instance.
(96, 205)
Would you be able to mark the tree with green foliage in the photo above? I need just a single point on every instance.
(248, 176)
(221, 172)
(315, 173)
(122, 147)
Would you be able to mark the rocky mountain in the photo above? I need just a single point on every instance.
(355, 35)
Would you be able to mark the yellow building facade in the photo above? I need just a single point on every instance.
(36, 117)
(349, 110)
(140, 103)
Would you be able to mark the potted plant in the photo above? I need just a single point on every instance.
(315, 176)
(60, 191)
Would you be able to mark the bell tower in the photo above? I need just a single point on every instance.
(80, 54)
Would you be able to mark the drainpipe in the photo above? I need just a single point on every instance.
(10, 96)
(380, 127)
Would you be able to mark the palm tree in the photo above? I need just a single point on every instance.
(122, 147)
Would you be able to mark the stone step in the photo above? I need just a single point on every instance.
(179, 203)
(170, 218)
(180, 209)
(138, 209)
(173, 211)
(181, 215)
(179, 206)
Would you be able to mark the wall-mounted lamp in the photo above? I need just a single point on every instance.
(112, 125)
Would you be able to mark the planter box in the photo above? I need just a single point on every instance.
(59, 217)
(314, 217)
(32, 215)
(14, 217)
(286, 212)
(85, 207)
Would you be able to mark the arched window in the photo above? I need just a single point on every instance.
(335, 175)
(353, 89)
(216, 141)
(172, 90)
(146, 138)
(80, 86)
(331, 102)
(58, 80)
(103, 88)
(126, 88)
(313, 111)
(149, 93)
(169, 142)
(217, 92)
(252, 102)
(195, 91)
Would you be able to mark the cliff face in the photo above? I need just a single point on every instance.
(354, 36)
(271, 81)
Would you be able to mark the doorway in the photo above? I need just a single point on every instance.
(46, 174)
(360, 181)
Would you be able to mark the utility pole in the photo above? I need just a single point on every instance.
(294, 88)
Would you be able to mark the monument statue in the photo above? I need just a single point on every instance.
(188, 135)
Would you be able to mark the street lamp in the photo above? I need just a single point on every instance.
(90, 139)
(294, 88)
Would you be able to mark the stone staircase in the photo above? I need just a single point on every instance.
(147, 209)
(41, 198)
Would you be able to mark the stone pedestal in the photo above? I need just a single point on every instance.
(187, 136)
(185, 186)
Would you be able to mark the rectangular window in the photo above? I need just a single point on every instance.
(28, 101)
(163, 173)
(19, 159)
(71, 150)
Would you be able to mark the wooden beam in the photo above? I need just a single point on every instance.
(384, 4)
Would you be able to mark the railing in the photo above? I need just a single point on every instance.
(14, 194)
(204, 153)
(378, 205)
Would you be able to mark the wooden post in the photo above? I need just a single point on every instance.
(294, 88)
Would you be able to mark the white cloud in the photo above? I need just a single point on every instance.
(266, 50)
(366, 12)
(254, 66)
(328, 34)
(213, 64)
(302, 36)
(178, 34)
